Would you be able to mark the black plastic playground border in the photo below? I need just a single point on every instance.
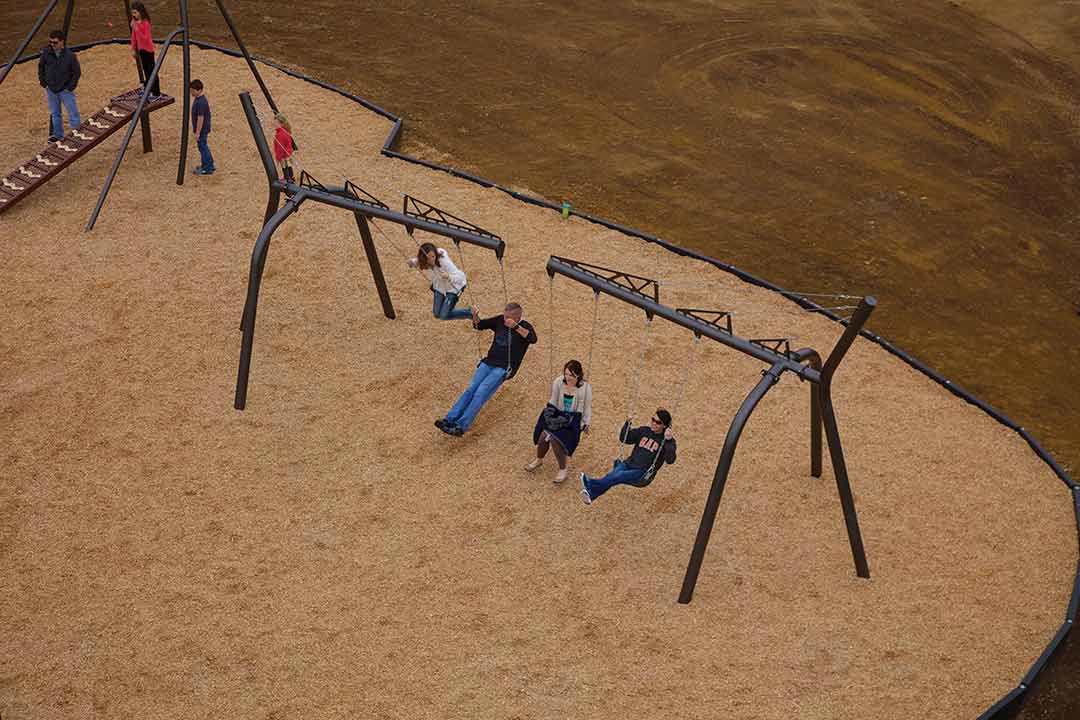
(1011, 700)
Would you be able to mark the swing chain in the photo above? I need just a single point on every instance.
(592, 334)
(551, 326)
(632, 399)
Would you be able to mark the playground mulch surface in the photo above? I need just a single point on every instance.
(329, 553)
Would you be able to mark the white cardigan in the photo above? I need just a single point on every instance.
(445, 277)
(582, 398)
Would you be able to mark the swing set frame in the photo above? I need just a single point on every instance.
(805, 363)
(415, 215)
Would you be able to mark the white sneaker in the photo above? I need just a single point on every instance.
(534, 465)
(559, 477)
(586, 497)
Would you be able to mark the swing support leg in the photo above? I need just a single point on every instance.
(376, 268)
(769, 378)
(815, 410)
(832, 432)
(258, 262)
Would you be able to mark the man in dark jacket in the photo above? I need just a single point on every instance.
(513, 336)
(58, 73)
(653, 444)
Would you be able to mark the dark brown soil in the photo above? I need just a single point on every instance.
(915, 151)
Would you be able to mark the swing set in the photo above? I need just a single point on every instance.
(365, 207)
(716, 325)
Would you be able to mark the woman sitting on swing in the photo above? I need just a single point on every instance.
(567, 414)
(447, 282)
(654, 445)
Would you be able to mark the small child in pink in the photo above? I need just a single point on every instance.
(284, 146)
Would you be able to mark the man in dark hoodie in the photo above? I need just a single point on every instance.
(513, 336)
(58, 73)
(653, 444)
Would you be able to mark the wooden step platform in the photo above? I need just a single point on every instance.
(35, 172)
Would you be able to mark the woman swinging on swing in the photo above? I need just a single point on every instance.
(654, 445)
(446, 280)
(567, 414)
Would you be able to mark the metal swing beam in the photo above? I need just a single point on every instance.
(349, 197)
(804, 363)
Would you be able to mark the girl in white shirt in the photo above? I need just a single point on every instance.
(447, 282)
(567, 414)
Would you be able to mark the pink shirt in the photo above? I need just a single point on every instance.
(283, 144)
(140, 36)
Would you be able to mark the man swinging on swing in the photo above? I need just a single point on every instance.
(654, 445)
(513, 336)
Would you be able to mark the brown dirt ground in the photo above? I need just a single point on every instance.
(328, 554)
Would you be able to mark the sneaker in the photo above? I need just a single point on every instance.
(559, 477)
(198, 170)
(586, 496)
(455, 431)
(442, 424)
(534, 465)
(208, 172)
(53, 138)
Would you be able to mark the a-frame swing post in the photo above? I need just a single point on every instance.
(247, 57)
(258, 262)
(768, 378)
(67, 19)
(26, 40)
(274, 185)
(185, 92)
(832, 432)
(376, 267)
(811, 355)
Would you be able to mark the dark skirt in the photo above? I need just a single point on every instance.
(564, 427)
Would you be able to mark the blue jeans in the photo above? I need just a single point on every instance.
(621, 474)
(206, 159)
(485, 381)
(443, 306)
(67, 98)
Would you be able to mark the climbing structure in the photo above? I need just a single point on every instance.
(45, 165)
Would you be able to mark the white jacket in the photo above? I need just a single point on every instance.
(445, 277)
(582, 398)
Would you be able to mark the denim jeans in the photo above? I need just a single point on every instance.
(206, 159)
(443, 306)
(67, 98)
(621, 474)
(485, 381)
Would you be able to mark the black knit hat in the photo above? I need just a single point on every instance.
(664, 416)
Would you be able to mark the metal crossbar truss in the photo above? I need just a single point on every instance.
(309, 182)
(356, 192)
(412, 207)
(781, 346)
(646, 287)
(720, 319)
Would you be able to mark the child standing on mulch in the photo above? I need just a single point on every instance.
(284, 146)
(142, 45)
(200, 125)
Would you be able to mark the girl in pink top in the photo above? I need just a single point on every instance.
(142, 44)
(284, 147)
